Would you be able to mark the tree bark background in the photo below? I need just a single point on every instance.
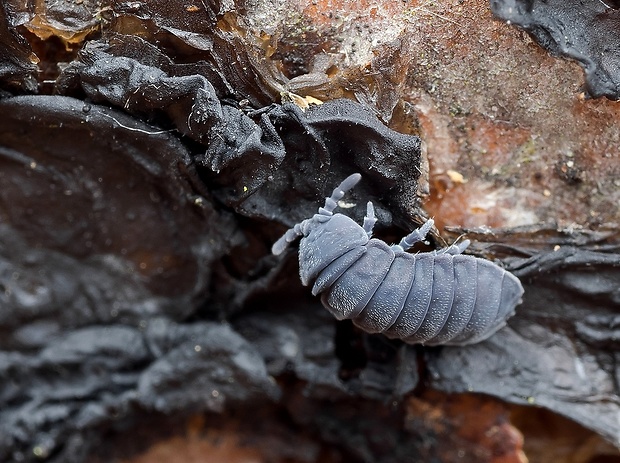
(151, 152)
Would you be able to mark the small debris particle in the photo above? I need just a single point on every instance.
(456, 177)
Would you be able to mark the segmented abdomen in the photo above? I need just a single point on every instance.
(427, 298)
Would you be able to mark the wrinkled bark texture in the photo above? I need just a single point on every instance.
(584, 31)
